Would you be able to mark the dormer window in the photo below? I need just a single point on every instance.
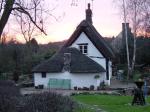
(83, 48)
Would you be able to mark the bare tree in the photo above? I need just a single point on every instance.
(126, 38)
(136, 12)
(26, 7)
(27, 28)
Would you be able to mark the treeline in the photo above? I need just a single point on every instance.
(19, 58)
(142, 52)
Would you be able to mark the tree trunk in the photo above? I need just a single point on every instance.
(134, 28)
(6, 13)
(126, 36)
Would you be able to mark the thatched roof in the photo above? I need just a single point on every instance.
(80, 63)
(94, 37)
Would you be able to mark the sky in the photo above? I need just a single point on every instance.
(106, 19)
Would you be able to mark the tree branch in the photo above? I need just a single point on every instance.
(28, 14)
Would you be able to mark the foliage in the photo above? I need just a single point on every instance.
(143, 50)
(21, 58)
(96, 76)
(8, 96)
(112, 103)
(47, 102)
(12, 101)
(136, 75)
(103, 86)
(142, 54)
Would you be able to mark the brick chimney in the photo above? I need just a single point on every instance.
(123, 26)
(89, 14)
(67, 61)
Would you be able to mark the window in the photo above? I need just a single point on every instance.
(43, 75)
(83, 48)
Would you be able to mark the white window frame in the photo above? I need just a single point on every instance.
(83, 48)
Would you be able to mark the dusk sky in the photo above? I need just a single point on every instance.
(106, 18)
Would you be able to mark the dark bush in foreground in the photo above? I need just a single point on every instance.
(12, 101)
(8, 96)
(47, 102)
(8, 88)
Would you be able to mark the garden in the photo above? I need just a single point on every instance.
(109, 103)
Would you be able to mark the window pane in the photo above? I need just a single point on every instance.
(81, 48)
(43, 75)
(85, 49)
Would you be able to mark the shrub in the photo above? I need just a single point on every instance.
(136, 75)
(102, 85)
(47, 102)
(8, 88)
(8, 96)
(12, 101)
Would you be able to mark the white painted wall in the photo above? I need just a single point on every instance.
(93, 51)
(79, 80)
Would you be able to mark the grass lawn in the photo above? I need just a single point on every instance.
(112, 103)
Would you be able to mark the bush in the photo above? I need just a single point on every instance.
(102, 85)
(12, 101)
(47, 102)
(8, 88)
(137, 75)
(8, 96)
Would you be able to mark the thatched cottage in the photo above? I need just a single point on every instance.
(85, 60)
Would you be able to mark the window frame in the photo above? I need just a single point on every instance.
(83, 48)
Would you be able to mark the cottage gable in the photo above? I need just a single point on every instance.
(86, 29)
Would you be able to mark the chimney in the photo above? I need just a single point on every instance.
(89, 14)
(123, 26)
(67, 61)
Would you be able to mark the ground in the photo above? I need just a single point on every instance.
(97, 101)
(111, 103)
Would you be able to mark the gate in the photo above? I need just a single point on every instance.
(59, 83)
